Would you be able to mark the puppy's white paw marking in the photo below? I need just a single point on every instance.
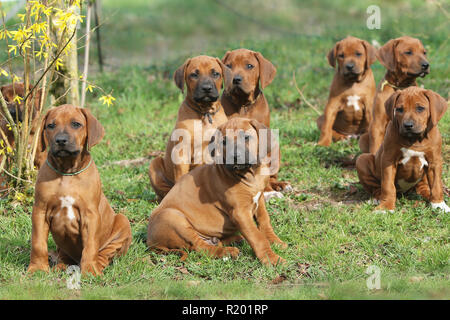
(409, 153)
(374, 202)
(288, 188)
(272, 194)
(67, 202)
(353, 101)
(441, 205)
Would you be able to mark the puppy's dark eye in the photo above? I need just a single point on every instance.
(193, 75)
(341, 55)
(75, 125)
(51, 126)
(399, 110)
(409, 52)
(420, 109)
(215, 74)
(358, 54)
(425, 53)
(229, 65)
(250, 66)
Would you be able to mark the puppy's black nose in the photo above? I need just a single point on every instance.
(61, 139)
(408, 125)
(349, 66)
(237, 79)
(207, 87)
(425, 65)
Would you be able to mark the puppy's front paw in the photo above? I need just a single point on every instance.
(91, 267)
(231, 251)
(33, 267)
(272, 259)
(324, 142)
(383, 209)
(441, 205)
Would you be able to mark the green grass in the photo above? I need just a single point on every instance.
(332, 232)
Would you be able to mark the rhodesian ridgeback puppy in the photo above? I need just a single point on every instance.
(251, 73)
(410, 155)
(16, 110)
(209, 206)
(348, 110)
(69, 201)
(405, 60)
(199, 115)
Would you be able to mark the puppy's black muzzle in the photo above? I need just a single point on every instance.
(206, 91)
(63, 147)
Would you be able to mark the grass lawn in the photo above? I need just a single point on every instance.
(332, 231)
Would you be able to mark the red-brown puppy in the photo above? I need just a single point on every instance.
(410, 155)
(199, 115)
(69, 201)
(251, 73)
(405, 60)
(210, 205)
(16, 110)
(349, 106)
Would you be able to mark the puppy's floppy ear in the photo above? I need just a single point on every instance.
(42, 140)
(331, 56)
(95, 130)
(8, 93)
(389, 105)
(179, 74)
(386, 54)
(263, 133)
(267, 70)
(371, 54)
(438, 107)
(227, 75)
(225, 57)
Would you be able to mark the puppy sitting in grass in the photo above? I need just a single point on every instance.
(349, 106)
(210, 205)
(410, 155)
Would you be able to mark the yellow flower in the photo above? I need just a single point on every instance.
(17, 99)
(90, 87)
(3, 72)
(12, 48)
(108, 99)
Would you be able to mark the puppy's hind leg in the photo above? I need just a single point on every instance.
(365, 166)
(117, 244)
(169, 230)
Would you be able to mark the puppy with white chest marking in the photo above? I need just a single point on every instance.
(69, 201)
(348, 110)
(209, 206)
(405, 60)
(410, 155)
